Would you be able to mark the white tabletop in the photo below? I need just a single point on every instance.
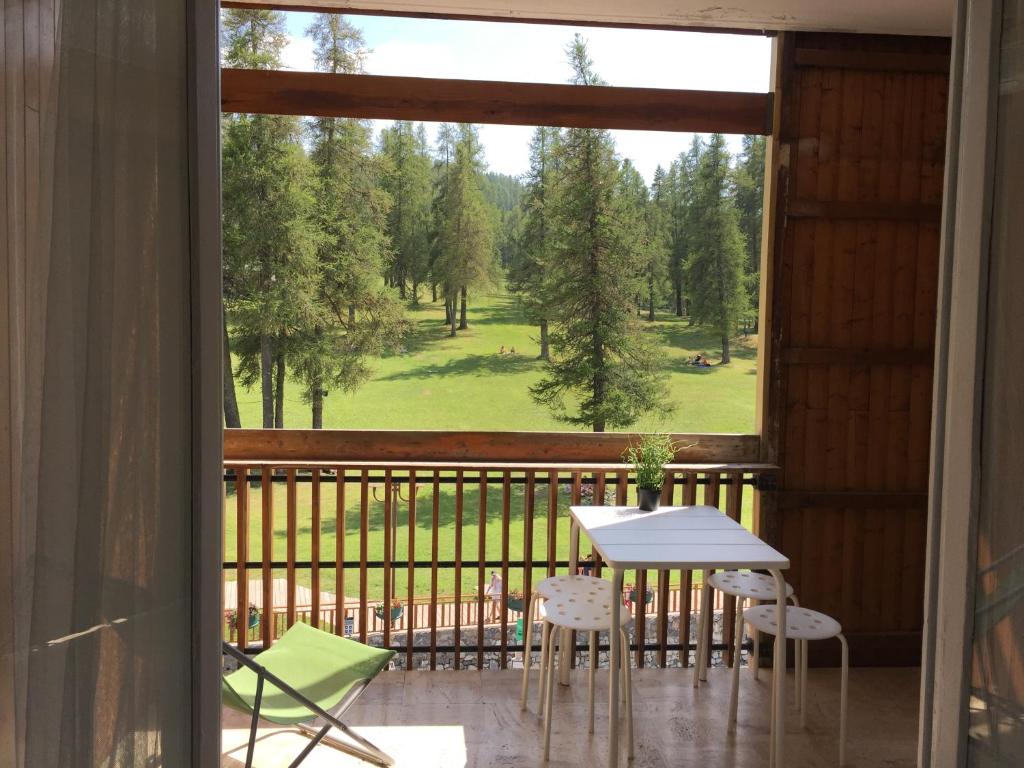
(688, 538)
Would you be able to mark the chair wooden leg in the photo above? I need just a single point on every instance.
(549, 688)
(755, 653)
(527, 652)
(734, 695)
(773, 719)
(843, 692)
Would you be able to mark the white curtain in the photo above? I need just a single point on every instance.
(99, 575)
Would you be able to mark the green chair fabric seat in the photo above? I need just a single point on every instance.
(322, 666)
(307, 674)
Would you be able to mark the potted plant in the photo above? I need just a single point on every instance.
(515, 601)
(396, 611)
(649, 457)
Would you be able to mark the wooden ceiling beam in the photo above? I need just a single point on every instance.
(317, 94)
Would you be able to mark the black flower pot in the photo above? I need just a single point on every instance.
(648, 498)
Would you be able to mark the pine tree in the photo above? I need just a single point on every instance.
(444, 159)
(749, 193)
(680, 189)
(600, 356)
(715, 268)
(356, 316)
(269, 234)
(528, 275)
(656, 219)
(407, 179)
(465, 239)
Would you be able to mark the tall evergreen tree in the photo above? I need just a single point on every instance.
(529, 273)
(680, 188)
(268, 229)
(657, 240)
(444, 159)
(356, 316)
(466, 238)
(715, 268)
(407, 179)
(749, 193)
(601, 358)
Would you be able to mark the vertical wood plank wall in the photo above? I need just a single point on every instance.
(854, 273)
(27, 59)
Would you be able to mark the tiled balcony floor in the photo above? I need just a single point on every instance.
(455, 719)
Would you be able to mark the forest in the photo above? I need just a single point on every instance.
(334, 233)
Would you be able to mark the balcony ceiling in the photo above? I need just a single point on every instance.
(907, 17)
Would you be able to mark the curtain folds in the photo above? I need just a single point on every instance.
(100, 521)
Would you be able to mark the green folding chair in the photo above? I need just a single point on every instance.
(325, 675)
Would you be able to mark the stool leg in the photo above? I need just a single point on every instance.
(755, 656)
(545, 640)
(701, 636)
(737, 652)
(771, 719)
(527, 654)
(802, 659)
(799, 648)
(548, 688)
(842, 702)
(590, 682)
(628, 687)
(709, 634)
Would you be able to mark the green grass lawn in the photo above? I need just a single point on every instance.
(438, 382)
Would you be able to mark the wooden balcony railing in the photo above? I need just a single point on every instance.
(335, 527)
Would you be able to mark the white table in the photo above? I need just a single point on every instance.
(683, 538)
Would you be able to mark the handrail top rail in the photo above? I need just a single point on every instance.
(503, 466)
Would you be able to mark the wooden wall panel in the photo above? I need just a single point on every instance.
(861, 149)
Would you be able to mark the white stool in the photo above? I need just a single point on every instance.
(803, 624)
(744, 586)
(573, 604)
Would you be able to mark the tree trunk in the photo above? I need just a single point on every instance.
(463, 324)
(433, 293)
(650, 301)
(231, 417)
(267, 381)
(679, 298)
(351, 315)
(545, 352)
(725, 348)
(401, 288)
(447, 311)
(318, 405)
(452, 314)
(415, 292)
(599, 425)
(279, 393)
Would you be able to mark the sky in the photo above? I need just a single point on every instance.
(480, 50)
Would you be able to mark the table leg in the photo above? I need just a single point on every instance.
(780, 668)
(574, 555)
(614, 659)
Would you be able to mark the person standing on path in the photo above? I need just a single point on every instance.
(494, 591)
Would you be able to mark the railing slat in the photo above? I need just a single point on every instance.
(268, 554)
(552, 521)
(364, 535)
(435, 514)
(388, 556)
(481, 570)
(291, 534)
(457, 631)
(411, 573)
(506, 501)
(242, 555)
(528, 510)
(314, 549)
(339, 551)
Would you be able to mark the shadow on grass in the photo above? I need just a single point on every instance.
(484, 365)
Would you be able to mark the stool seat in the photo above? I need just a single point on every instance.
(801, 623)
(581, 612)
(746, 584)
(555, 587)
